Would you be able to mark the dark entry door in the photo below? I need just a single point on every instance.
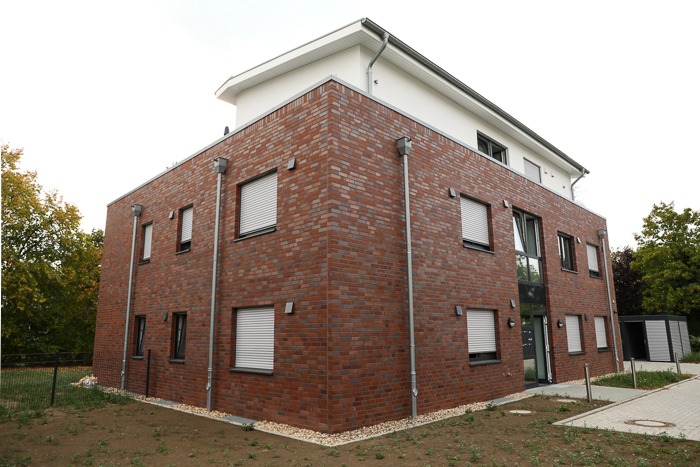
(535, 339)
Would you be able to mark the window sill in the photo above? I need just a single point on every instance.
(137, 357)
(569, 270)
(572, 354)
(256, 371)
(257, 234)
(604, 350)
(485, 362)
(476, 248)
(177, 360)
(595, 276)
(183, 251)
(145, 261)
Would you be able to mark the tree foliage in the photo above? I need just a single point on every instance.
(668, 259)
(628, 282)
(50, 268)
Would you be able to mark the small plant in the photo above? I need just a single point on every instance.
(248, 426)
(563, 408)
(162, 449)
(475, 452)
(252, 455)
(253, 442)
(379, 455)
(491, 407)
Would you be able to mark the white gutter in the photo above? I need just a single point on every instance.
(220, 167)
(385, 41)
(136, 210)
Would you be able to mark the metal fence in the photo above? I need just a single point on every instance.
(39, 381)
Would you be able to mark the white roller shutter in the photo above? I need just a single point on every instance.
(592, 258)
(600, 334)
(255, 338)
(573, 333)
(532, 171)
(475, 222)
(481, 331)
(186, 232)
(259, 204)
(657, 341)
(147, 238)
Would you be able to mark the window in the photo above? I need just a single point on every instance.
(532, 171)
(593, 260)
(140, 334)
(475, 224)
(600, 334)
(147, 239)
(573, 333)
(566, 252)
(481, 335)
(180, 331)
(185, 240)
(491, 148)
(258, 205)
(527, 247)
(255, 338)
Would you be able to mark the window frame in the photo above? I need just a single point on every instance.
(179, 336)
(146, 241)
(185, 245)
(569, 334)
(569, 265)
(601, 333)
(258, 340)
(140, 334)
(489, 144)
(481, 349)
(520, 235)
(596, 249)
(244, 216)
(476, 240)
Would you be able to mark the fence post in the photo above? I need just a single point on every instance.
(148, 371)
(678, 363)
(588, 383)
(55, 375)
(634, 373)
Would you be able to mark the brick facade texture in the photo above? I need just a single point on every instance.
(341, 360)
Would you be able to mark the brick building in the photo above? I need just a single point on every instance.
(293, 303)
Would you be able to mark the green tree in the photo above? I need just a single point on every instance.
(50, 268)
(628, 282)
(668, 259)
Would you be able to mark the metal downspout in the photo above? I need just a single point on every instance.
(220, 167)
(385, 41)
(404, 147)
(602, 234)
(136, 210)
(583, 174)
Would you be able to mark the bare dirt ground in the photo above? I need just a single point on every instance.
(144, 434)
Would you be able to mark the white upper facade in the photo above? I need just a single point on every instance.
(406, 81)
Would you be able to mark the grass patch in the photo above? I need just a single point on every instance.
(645, 379)
(692, 357)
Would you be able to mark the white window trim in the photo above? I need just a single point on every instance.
(573, 333)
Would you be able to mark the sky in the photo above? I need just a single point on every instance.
(103, 96)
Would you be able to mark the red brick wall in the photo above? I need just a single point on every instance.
(342, 358)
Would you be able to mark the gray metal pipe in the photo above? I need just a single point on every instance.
(220, 164)
(385, 42)
(404, 147)
(136, 210)
(602, 234)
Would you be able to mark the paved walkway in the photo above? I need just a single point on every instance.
(673, 410)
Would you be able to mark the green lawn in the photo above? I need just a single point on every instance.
(645, 379)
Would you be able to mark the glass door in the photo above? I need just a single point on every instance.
(535, 340)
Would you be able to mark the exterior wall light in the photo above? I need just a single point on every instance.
(511, 323)
(512, 303)
(560, 323)
(458, 310)
(289, 308)
(452, 193)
